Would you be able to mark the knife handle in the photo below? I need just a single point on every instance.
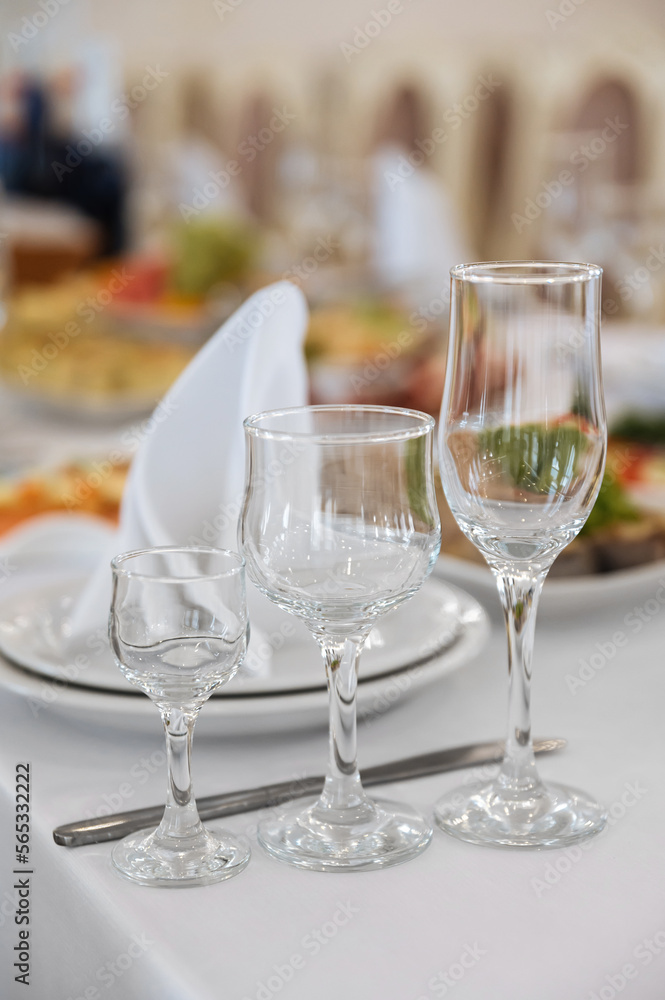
(118, 825)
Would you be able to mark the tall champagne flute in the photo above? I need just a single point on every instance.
(339, 525)
(522, 450)
(178, 630)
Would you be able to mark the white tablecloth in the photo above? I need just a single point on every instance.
(461, 921)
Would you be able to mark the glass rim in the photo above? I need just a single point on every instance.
(421, 424)
(516, 272)
(119, 569)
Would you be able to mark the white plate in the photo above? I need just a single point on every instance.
(244, 712)
(562, 597)
(434, 633)
(35, 625)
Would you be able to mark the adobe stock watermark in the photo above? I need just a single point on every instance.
(32, 24)
(576, 336)
(442, 983)
(365, 34)
(636, 280)
(454, 116)
(580, 159)
(7, 569)
(374, 368)
(49, 691)
(419, 321)
(241, 331)
(257, 658)
(224, 7)
(296, 788)
(565, 10)
(119, 110)
(247, 151)
(9, 906)
(643, 954)
(604, 652)
(323, 250)
(139, 773)
(554, 871)
(130, 441)
(481, 774)
(227, 514)
(87, 310)
(621, 459)
(311, 944)
(392, 692)
(296, 275)
(437, 307)
(109, 973)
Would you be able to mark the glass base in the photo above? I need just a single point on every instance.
(200, 860)
(391, 834)
(545, 816)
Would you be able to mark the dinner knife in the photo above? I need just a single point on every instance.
(117, 825)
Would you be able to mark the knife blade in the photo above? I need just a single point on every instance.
(117, 825)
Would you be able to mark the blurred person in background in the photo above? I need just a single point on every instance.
(40, 158)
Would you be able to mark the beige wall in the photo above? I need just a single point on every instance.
(190, 33)
(546, 52)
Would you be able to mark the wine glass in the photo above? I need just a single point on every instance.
(522, 444)
(339, 525)
(178, 630)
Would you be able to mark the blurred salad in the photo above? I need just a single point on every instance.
(209, 252)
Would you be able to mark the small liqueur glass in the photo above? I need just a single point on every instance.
(178, 630)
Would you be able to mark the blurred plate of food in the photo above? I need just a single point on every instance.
(564, 597)
(84, 486)
(183, 292)
(61, 350)
(370, 349)
(110, 341)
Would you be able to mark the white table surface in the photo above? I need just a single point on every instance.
(550, 925)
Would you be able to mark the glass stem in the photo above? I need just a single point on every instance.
(343, 799)
(181, 817)
(519, 596)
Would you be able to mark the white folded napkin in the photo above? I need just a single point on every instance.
(185, 485)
